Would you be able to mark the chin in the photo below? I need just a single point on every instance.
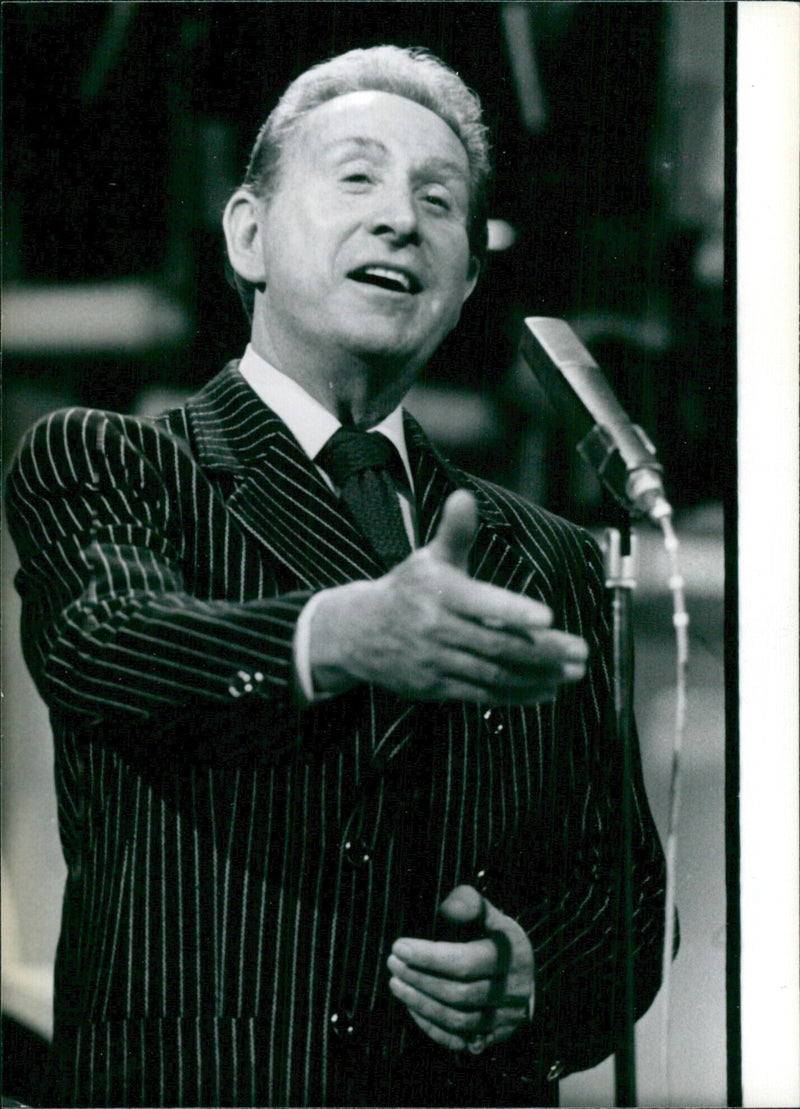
(394, 359)
(401, 351)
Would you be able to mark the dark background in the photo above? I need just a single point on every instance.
(127, 125)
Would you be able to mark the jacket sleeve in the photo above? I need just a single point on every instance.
(110, 631)
(572, 919)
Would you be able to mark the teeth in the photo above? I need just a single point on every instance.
(390, 275)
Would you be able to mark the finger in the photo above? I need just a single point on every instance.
(470, 997)
(438, 1035)
(455, 1021)
(546, 647)
(497, 683)
(506, 1022)
(456, 532)
(514, 948)
(493, 918)
(464, 962)
(573, 671)
(493, 606)
(500, 1021)
(458, 995)
(510, 1009)
(500, 1033)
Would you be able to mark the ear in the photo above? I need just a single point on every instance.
(473, 272)
(242, 224)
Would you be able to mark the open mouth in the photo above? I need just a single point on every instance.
(385, 277)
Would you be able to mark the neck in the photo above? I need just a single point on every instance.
(359, 392)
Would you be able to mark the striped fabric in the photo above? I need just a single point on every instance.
(239, 866)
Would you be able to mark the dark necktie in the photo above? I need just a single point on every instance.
(358, 464)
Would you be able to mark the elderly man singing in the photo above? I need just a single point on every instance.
(335, 747)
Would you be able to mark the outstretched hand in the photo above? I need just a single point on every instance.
(472, 994)
(428, 631)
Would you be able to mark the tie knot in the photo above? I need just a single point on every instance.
(349, 452)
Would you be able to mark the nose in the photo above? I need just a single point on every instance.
(395, 216)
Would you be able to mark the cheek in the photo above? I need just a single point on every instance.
(454, 314)
(459, 287)
(442, 316)
(290, 235)
(294, 268)
(459, 264)
(308, 250)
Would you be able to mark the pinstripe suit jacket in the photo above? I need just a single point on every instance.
(238, 865)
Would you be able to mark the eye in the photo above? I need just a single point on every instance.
(438, 198)
(357, 177)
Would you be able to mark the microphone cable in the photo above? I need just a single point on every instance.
(680, 622)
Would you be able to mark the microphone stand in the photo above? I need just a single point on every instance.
(625, 461)
(619, 569)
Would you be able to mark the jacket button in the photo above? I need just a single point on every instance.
(241, 683)
(343, 1026)
(482, 882)
(493, 721)
(556, 1070)
(356, 852)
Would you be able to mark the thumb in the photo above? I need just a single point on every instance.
(456, 532)
(493, 919)
(464, 905)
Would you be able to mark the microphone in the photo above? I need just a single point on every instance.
(617, 450)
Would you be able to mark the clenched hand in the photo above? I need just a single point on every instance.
(470, 994)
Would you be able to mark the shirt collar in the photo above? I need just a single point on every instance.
(310, 422)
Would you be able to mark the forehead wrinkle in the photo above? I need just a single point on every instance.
(361, 141)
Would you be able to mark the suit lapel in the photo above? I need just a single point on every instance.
(495, 555)
(277, 492)
(278, 495)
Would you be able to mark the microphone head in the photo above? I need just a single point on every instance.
(616, 449)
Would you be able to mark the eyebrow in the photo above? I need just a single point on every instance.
(434, 164)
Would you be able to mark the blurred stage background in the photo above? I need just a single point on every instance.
(126, 127)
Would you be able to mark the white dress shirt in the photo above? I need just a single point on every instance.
(312, 426)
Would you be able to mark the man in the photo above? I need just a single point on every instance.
(336, 766)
